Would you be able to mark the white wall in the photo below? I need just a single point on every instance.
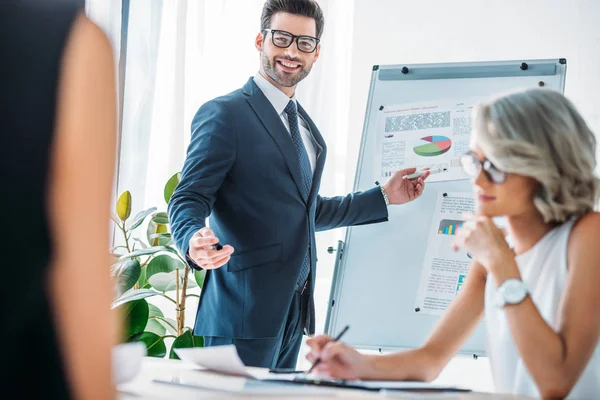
(431, 31)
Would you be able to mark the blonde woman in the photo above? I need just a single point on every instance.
(532, 161)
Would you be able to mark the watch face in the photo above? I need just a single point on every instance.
(514, 291)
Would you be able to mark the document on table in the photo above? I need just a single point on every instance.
(206, 381)
(233, 376)
(216, 358)
(409, 385)
(376, 386)
(225, 360)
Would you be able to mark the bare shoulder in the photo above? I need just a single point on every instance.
(87, 94)
(587, 225)
(584, 236)
(88, 59)
(87, 37)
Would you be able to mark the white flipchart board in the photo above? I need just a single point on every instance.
(378, 268)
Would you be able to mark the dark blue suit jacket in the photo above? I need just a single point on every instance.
(242, 171)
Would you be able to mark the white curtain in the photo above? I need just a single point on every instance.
(183, 53)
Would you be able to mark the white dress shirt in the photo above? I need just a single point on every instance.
(279, 101)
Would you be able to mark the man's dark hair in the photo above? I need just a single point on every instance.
(305, 8)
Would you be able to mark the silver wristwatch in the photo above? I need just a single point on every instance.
(512, 291)
(384, 194)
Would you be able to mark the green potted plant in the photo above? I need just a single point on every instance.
(149, 268)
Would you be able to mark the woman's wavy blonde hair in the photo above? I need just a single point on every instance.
(539, 133)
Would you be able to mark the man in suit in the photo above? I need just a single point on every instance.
(254, 166)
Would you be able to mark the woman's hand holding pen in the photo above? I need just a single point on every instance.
(338, 360)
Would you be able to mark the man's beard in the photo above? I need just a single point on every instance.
(280, 77)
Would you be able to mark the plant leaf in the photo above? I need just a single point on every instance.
(185, 340)
(125, 273)
(134, 338)
(133, 295)
(165, 235)
(135, 317)
(163, 263)
(148, 251)
(155, 229)
(191, 283)
(154, 324)
(154, 311)
(170, 186)
(143, 281)
(164, 281)
(169, 324)
(155, 344)
(155, 327)
(167, 281)
(141, 243)
(160, 218)
(124, 206)
(199, 277)
(139, 218)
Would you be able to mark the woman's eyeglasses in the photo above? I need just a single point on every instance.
(473, 167)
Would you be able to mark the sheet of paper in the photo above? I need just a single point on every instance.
(216, 358)
(226, 373)
(444, 271)
(225, 359)
(424, 135)
(204, 381)
(405, 385)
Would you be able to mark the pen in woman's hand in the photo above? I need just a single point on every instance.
(335, 339)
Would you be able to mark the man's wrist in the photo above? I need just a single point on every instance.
(385, 196)
(192, 263)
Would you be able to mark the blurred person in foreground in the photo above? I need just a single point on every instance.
(58, 127)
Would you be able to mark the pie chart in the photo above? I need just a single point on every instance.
(431, 146)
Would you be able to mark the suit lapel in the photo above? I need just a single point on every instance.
(321, 154)
(266, 113)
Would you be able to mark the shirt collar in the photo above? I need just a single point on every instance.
(276, 97)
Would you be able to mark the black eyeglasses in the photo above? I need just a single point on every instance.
(473, 167)
(283, 39)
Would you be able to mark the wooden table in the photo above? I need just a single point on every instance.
(181, 375)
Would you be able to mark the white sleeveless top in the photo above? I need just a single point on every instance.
(544, 270)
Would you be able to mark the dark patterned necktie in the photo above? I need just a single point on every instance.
(305, 171)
